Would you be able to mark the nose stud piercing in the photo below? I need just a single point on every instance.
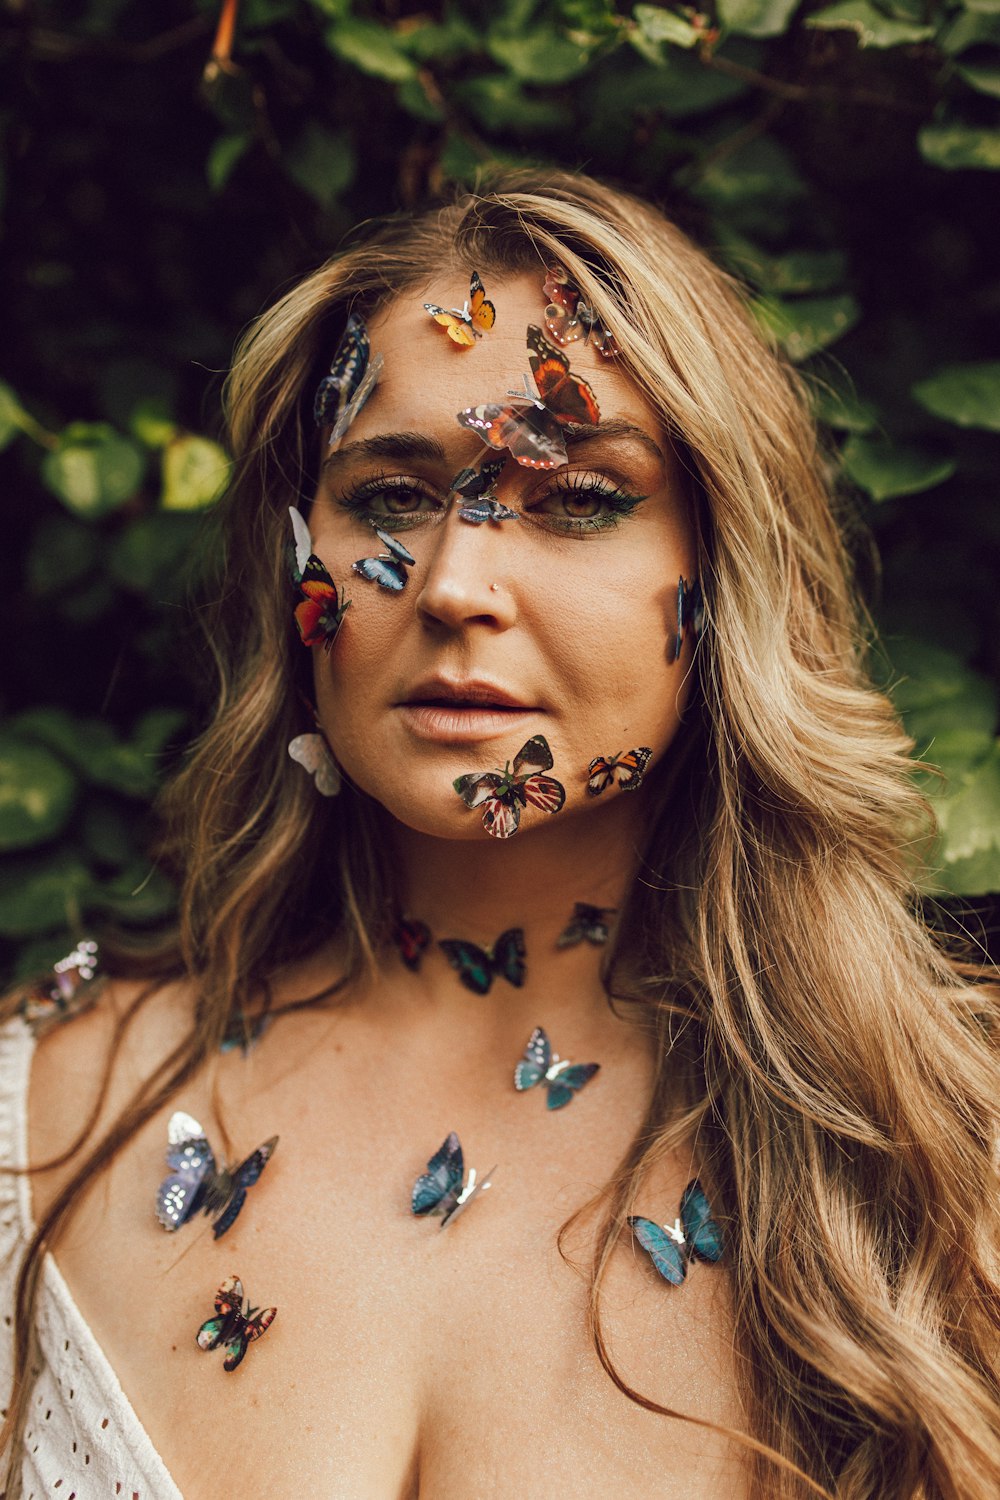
(494, 587)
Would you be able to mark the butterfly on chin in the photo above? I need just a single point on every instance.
(439, 1190)
(196, 1182)
(562, 1079)
(352, 378)
(588, 923)
(502, 793)
(476, 967)
(234, 1326)
(531, 428)
(466, 324)
(389, 567)
(695, 1235)
(627, 769)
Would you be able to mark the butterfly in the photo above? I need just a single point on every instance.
(477, 966)
(320, 614)
(313, 753)
(66, 992)
(352, 378)
(539, 1062)
(234, 1325)
(439, 1190)
(627, 769)
(567, 317)
(411, 938)
(531, 426)
(694, 1236)
(468, 323)
(588, 922)
(502, 794)
(389, 568)
(196, 1182)
(690, 612)
(243, 1031)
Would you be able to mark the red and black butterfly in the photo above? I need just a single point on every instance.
(234, 1325)
(502, 794)
(321, 612)
(411, 938)
(568, 317)
(531, 427)
(627, 769)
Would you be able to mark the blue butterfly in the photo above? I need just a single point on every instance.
(563, 1079)
(196, 1182)
(388, 569)
(590, 922)
(352, 378)
(439, 1190)
(694, 1236)
(476, 967)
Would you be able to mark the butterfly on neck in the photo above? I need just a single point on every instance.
(695, 1235)
(478, 967)
(562, 1079)
(588, 923)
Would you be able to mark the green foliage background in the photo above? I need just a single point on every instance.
(844, 159)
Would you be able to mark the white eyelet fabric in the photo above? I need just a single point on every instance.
(82, 1441)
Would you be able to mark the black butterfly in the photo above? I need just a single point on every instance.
(590, 922)
(477, 966)
(196, 1182)
(234, 1325)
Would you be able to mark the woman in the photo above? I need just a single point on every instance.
(597, 676)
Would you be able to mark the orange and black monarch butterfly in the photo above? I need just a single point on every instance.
(627, 769)
(468, 323)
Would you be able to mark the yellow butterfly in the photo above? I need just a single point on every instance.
(468, 323)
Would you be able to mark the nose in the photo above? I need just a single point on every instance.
(469, 576)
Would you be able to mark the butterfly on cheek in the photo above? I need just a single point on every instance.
(321, 611)
(502, 793)
(627, 769)
(234, 1326)
(694, 1236)
(389, 568)
(465, 325)
(531, 429)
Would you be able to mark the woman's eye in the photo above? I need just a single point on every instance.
(585, 506)
(389, 500)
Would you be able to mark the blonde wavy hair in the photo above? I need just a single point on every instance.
(838, 1067)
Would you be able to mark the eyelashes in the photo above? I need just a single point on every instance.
(574, 504)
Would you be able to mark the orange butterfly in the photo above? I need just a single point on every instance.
(468, 323)
(529, 426)
(627, 769)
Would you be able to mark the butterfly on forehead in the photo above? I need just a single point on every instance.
(568, 318)
(389, 568)
(693, 1236)
(466, 324)
(530, 427)
(197, 1182)
(502, 794)
(587, 922)
(352, 378)
(439, 1190)
(627, 769)
(540, 1063)
(476, 967)
(321, 612)
(234, 1325)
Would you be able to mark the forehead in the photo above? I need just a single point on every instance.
(427, 374)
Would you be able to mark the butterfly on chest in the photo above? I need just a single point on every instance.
(234, 1326)
(196, 1183)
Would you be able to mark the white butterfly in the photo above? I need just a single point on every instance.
(303, 541)
(312, 752)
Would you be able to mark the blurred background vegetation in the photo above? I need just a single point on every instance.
(164, 177)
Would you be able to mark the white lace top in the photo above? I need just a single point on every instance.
(82, 1440)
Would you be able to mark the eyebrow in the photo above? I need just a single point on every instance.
(404, 447)
(610, 427)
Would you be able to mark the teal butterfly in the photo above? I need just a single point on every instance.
(476, 967)
(694, 1236)
(439, 1190)
(563, 1079)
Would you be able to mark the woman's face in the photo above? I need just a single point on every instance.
(559, 623)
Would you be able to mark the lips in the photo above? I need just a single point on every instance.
(440, 693)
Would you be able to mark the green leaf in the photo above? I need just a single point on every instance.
(140, 893)
(93, 750)
(63, 552)
(95, 471)
(151, 422)
(969, 824)
(540, 55)
(498, 102)
(42, 894)
(224, 155)
(195, 473)
(872, 27)
(322, 163)
(154, 553)
(937, 693)
(761, 171)
(372, 48)
(12, 416)
(968, 395)
(957, 146)
(841, 408)
(886, 469)
(983, 77)
(757, 17)
(37, 793)
(655, 27)
(983, 7)
(808, 324)
(156, 729)
(108, 831)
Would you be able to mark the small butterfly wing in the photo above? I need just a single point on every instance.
(507, 958)
(600, 775)
(443, 1177)
(302, 540)
(320, 614)
(258, 1325)
(236, 1348)
(559, 289)
(476, 787)
(192, 1161)
(482, 313)
(244, 1177)
(390, 575)
(700, 1228)
(569, 1082)
(667, 1256)
(247, 1333)
(534, 755)
(566, 396)
(411, 938)
(630, 768)
(347, 370)
(311, 752)
(475, 511)
(544, 792)
(229, 1297)
(502, 814)
(470, 962)
(209, 1335)
(535, 1062)
(396, 547)
(561, 325)
(593, 921)
(473, 482)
